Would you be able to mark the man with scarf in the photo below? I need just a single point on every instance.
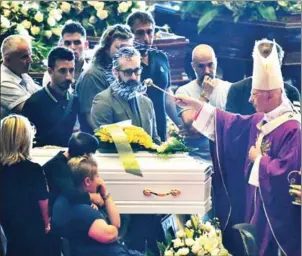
(124, 99)
(253, 156)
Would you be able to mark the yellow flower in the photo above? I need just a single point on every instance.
(51, 21)
(39, 17)
(56, 13)
(5, 4)
(26, 24)
(92, 3)
(282, 3)
(24, 10)
(123, 7)
(34, 30)
(6, 13)
(183, 252)
(99, 6)
(169, 253)
(48, 34)
(92, 19)
(102, 14)
(16, 5)
(65, 7)
(21, 30)
(57, 30)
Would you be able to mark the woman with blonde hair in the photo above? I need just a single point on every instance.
(23, 190)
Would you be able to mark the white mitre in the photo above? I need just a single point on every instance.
(266, 71)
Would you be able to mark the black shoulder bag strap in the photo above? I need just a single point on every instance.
(68, 109)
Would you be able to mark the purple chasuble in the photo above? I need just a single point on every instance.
(268, 208)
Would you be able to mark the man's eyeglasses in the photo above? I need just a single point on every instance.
(141, 32)
(129, 72)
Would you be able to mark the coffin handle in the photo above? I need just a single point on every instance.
(174, 192)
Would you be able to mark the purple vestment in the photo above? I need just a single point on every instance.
(268, 208)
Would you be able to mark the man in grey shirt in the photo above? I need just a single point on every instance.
(16, 85)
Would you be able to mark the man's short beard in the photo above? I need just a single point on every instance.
(128, 90)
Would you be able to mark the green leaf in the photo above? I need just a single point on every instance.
(206, 18)
(248, 236)
(161, 247)
(267, 12)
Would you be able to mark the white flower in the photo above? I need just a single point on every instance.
(92, 19)
(51, 21)
(5, 4)
(6, 13)
(57, 30)
(134, 10)
(21, 30)
(196, 248)
(215, 251)
(182, 251)
(34, 6)
(122, 7)
(129, 3)
(16, 5)
(34, 30)
(24, 10)
(180, 233)
(189, 224)
(141, 5)
(189, 242)
(5, 23)
(65, 7)
(48, 34)
(169, 253)
(102, 14)
(178, 243)
(56, 13)
(39, 17)
(99, 6)
(26, 24)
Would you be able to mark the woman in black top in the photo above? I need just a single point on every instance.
(23, 190)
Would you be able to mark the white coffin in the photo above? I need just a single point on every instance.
(189, 178)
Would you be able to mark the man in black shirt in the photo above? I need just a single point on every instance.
(155, 66)
(53, 110)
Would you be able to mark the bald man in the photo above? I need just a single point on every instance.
(16, 85)
(207, 88)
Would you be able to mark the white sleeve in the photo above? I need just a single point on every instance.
(205, 122)
(254, 176)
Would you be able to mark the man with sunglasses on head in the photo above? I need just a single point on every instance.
(73, 37)
(155, 66)
(205, 87)
(124, 98)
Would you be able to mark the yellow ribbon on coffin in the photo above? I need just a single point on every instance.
(124, 150)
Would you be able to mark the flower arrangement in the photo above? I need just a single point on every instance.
(43, 20)
(197, 238)
(135, 135)
(171, 146)
(251, 10)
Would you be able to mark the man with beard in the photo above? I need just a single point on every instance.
(53, 110)
(155, 66)
(206, 87)
(124, 98)
(99, 76)
(73, 37)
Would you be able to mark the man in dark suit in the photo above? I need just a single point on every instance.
(240, 92)
(124, 99)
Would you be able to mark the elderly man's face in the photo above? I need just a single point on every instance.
(117, 44)
(265, 49)
(20, 60)
(62, 76)
(75, 42)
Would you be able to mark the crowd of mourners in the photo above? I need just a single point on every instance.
(64, 206)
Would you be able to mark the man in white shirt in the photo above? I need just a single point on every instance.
(204, 63)
(16, 85)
